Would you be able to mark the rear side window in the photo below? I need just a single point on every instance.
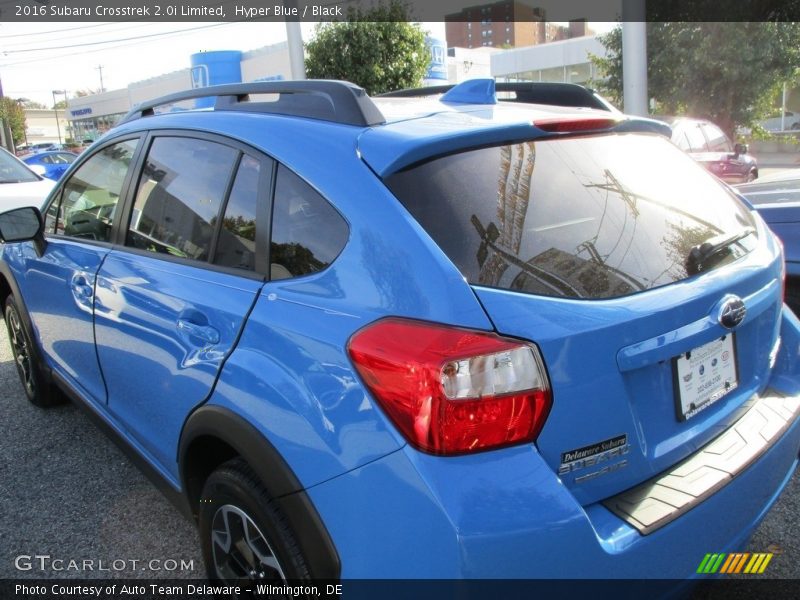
(307, 232)
(588, 217)
(87, 203)
(717, 141)
(179, 196)
(697, 141)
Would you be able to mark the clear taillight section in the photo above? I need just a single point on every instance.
(451, 390)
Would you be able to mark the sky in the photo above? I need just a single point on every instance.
(36, 58)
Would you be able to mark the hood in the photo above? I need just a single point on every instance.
(26, 193)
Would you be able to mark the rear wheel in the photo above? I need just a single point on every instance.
(751, 176)
(245, 537)
(38, 389)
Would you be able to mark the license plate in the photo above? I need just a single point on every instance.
(704, 375)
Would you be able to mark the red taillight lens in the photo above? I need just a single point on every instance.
(568, 125)
(450, 390)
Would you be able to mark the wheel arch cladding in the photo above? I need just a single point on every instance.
(213, 435)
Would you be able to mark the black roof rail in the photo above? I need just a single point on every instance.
(531, 92)
(327, 100)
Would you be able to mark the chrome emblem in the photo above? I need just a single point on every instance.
(732, 312)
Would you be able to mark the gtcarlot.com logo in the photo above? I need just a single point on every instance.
(45, 562)
(735, 563)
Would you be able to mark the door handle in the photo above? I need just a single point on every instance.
(81, 287)
(204, 332)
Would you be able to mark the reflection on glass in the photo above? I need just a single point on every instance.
(237, 238)
(307, 233)
(179, 196)
(579, 217)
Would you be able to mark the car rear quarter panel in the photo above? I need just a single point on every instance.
(290, 374)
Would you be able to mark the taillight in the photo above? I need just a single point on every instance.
(451, 390)
(572, 124)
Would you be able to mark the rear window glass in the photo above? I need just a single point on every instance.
(588, 217)
(772, 193)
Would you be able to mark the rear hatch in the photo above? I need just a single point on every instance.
(620, 258)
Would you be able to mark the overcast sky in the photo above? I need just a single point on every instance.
(36, 58)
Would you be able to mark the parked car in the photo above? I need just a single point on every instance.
(777, 199)
(55, 163)
(707, 144)
(416, 338)
(19, 185)
(790, 121)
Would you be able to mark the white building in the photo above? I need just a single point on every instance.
(566, 61)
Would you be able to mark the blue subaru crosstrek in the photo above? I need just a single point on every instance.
(416, 338)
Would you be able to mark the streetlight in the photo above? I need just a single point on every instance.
(55, 110)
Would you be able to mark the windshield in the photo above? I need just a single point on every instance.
(582, 217)
(13, 171)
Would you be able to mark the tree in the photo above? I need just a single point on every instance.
(725, 72)
(375, 48)
(12, 113)
(30, 103)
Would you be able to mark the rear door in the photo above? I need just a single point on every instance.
(583, 246)
(172, 300)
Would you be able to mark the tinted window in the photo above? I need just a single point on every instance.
(179, 196)
(590, 217)
(237, 238)
(89, 199)
(307, 233)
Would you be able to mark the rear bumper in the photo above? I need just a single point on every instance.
(505, 514)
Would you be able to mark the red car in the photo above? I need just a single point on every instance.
(708, 145)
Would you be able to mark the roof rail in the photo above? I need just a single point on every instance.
(531, 92)
(327, 100)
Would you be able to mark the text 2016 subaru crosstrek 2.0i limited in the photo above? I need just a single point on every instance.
(405, 338)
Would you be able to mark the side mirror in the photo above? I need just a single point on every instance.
(23, 225)
(740, 149)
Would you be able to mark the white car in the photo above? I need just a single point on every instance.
(791, 121)
(20, 185)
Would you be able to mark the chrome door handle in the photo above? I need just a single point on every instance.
(204, 332)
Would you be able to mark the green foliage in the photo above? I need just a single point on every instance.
(728, 73)
(375, 48)
(30, 103)
(12, 113)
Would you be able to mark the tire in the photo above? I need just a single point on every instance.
(239, 522)
(751, 176)
(38, 388)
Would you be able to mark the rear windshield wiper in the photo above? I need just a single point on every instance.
(718, 247)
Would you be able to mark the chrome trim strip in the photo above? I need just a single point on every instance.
(667, 496)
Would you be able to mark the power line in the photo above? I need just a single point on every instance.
(69, 37)
(14, 35)
(138, 37)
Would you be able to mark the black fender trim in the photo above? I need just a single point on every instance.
(226, 426)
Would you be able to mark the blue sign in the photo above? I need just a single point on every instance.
(438, 66)
(80, 111)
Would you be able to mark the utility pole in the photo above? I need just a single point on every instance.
(100, 68)
(634, 57)
(294, 39)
